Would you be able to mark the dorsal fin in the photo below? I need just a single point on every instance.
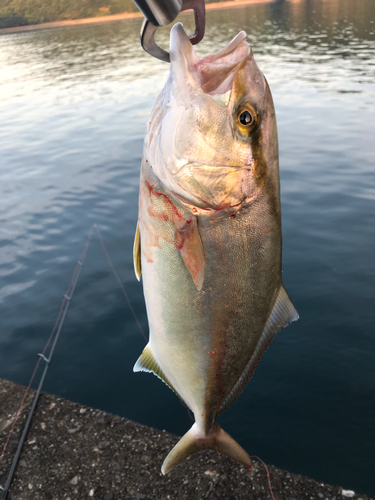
(147, 363)
(137, 253)
(283, 313)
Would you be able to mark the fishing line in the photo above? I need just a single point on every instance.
(119, 282)
(268, 474)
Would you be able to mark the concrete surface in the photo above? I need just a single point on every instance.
(73, 452)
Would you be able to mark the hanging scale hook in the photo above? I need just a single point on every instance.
(162, 12)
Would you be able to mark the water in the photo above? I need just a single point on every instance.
(73, 105)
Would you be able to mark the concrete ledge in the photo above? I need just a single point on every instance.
(74, 452)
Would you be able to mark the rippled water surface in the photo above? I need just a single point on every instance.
(73, 107)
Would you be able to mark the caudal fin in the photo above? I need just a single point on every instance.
(194, 440)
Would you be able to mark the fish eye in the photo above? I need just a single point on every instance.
(246, 118)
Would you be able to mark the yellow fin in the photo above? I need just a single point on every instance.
(147, 363)
(282, 314)
(194, 440)
(137, 254)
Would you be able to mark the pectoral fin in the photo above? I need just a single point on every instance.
(283, 313)
(189, 242)
(137, 253)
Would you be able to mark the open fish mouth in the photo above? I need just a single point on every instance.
(213, 74)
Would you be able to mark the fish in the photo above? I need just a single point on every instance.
(208, 239)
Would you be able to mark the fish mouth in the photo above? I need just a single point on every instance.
(214, 74)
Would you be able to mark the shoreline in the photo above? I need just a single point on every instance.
(229, 4)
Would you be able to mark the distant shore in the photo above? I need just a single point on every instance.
(120, 17)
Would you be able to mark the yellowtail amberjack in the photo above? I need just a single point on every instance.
(208, 241)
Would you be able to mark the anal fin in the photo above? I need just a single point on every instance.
(282, 314)
(147, 363)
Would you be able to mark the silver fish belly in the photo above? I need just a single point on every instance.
(208, 241)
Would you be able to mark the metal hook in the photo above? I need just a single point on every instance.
(148, 30)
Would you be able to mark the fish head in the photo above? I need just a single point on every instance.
(212, 137)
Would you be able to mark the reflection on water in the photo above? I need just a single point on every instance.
(74, 102)
(335, 35)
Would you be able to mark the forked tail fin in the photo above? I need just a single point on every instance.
(194, 440)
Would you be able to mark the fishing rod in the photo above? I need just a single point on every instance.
(58, 326)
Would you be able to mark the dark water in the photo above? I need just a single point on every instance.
(73, 104)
